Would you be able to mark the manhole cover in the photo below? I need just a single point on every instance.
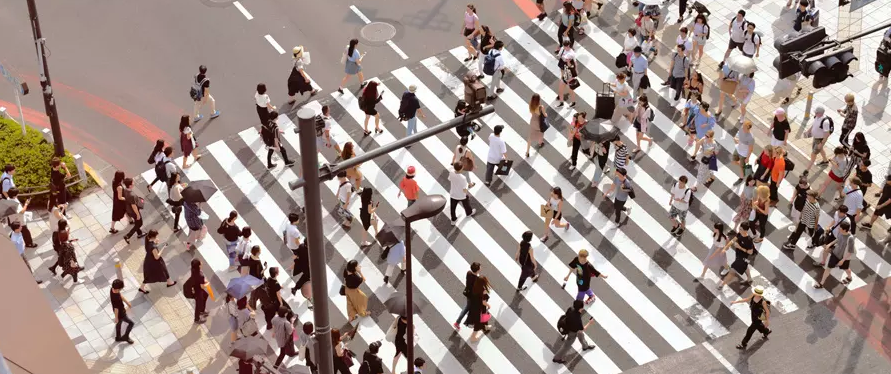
(378, 32)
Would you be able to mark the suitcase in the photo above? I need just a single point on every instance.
(474, 92)
(605, 105)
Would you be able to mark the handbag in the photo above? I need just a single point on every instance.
(545, 211)
(543, 123)
(485, 317)
(342, 290)
(504, 167)
(644, 82)
(728, 86)
(467, 163)
(391, 332)
(343, 56)
(348, 358)
(574, 83)
(621, 60)
(752, 215)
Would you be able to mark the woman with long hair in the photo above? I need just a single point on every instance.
(399, 342)
(478, 308)
(157, 155)
(357, 301)
(567, 25)
(369, 100)
(761, 207)
(470, 30)
(118, 204)
(642, 121)
(187, 140)
(745, 202)
(693, 84)
(716, 258)
(706, 160)
(176, 199)
(555, 206)
(353, 173)
(568, 77)
(154, 268)
(579, 120)
(701, 31)
(837, 166)
(366, 214)
(535, 135)
(352, 64)
(487, 42)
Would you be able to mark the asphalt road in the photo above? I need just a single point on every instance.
(122, 70)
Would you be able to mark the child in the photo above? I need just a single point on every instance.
(409, 186)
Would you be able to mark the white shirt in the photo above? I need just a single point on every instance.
(262, 100)
(680, 193)
(244, 246)
(688, 45)
(853, 200)
(344, 191)
(497, 149)
(159, 156)
(292, 233)
(176, 192)
(820, 127)
(567, 54)
(738, 29)
(169, 167)
(499, 59)
(17, 216)
(629, 44)
(458, 184)
(749, 45)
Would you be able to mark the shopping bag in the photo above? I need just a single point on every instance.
(504, 167)
(545, 211)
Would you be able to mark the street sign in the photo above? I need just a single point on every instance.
(12, 80)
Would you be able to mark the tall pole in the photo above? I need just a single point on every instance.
(318, 270)
(410, 331)
(48, 101)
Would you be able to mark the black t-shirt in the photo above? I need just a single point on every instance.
(352, 281)
(468, 282)
(230, 232)
(886, 193)
(800, 197)
(117, 302)
(745, 242)
(375, 364)
(206, 84)
(272, 287)
(57, 178)
(525, 261)
(864, 176)
(255, 268)
(573, 320)
(780, 128)
(583, 273)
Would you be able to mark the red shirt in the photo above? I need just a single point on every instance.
(409, 188)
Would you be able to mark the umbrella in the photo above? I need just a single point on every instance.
(199, 192)
(248, 347)
(9, 207)
(391, 234)
(741, 64)
(241, 286)
(397, 304)
(596, 132)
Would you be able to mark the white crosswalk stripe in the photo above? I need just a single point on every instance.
(647, 308)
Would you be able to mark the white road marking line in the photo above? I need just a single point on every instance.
(275, 44)
(243, 11)
(389, 42)
(720, 358)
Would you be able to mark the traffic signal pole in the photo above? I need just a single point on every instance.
(46, 86)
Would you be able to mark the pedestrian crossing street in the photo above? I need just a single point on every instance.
(648, 308)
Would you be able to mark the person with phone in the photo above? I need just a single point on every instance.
(154, 267)
(19, 216)
(574, 330)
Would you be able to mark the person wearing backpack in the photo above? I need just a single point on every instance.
(494, 66)
(200, 93)
(701, 33)
(760, 308)
(283, 333)
(820, 130)
(324, 139)
(679, 204)
(230, 231)
(409, 110)
(6, 179)
(680, 66)
(623, 189)
(371, 362)
(752, 44)
(574, 330)
(134, 210)
(272, 300)
(737, 29)
(198, 284)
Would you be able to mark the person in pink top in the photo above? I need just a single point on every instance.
(409, 186)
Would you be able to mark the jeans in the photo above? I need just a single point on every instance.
(122, 317)
(463, 311)
(137, 228)
(464, 202)
(490, 169)
(411, 126)
(757, 324)
(230, 250)
(567, 344)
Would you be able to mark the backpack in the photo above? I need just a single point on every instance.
(267, 133)
(197, 90)
(161, 170)
(561, 325)
(652, 115)
(831, 124)
(404, 106)
(263, 294)
(320, 126)
(189, 288)
(489, 62)
(365, 368)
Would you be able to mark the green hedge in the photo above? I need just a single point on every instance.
(31, 155)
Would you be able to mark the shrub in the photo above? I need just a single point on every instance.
(31, 155)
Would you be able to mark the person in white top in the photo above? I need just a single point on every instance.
(624, 101)
(684, 38)
(554, 214)
(500, 69)
(642, 116)
(679, 203)
(458, 194)
(752, 42)
(264, 105)
(344, 193)
(325, 139)
(819, 131)
(497, 152)
(737, 29)
(243, 249)
(176, 199)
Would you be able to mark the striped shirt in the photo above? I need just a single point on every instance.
(809, 214)
(621, 156)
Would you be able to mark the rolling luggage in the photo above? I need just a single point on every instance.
(605, 105)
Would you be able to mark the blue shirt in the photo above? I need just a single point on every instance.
(19, 241)
(700, 119)
(639, 64)
(7, 183)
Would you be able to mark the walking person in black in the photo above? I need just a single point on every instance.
(760, 316)
(372, 362)
(199, 284)
(175, 199)
(269, 132)
(120, 312)
(470, 279)
(118, 204)
(623, 189)
(399, 341)
(59, 237)
(154, 268)
(301, 266)
(57, 184)
(273, 289)
(133, 210)
(526, 258)
(155, 157)
(574, 330)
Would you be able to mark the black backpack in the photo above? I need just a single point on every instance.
(189, 288)
(561, 324)
(831, 124)
(320, 126)
(161, 170)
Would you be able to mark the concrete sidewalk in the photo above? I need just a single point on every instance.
(166, 339)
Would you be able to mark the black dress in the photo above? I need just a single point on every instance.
(365, 216)
(399, 342)
(60, 192)
(296, 83)
(118, 206)
(154, 270)
(475, 309)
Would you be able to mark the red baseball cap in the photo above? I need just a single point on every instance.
(411, 170)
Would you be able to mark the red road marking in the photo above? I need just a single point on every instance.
(867, 310)
(528, 7)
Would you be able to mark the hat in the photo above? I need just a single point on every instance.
(298, 49)
(779, 111)
(411, 170)
(820, 110)
(412, 88)
(759, 290)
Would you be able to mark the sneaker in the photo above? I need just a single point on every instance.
(627, 210)
(289, 163)
(270, 166)
(197, 118)
(140, 236)
(456, 326)
(499, 90)
(472, 212)
(386, 279)
(571, 167)
(454, 222)
(674, 229)
(789, 246)
(215, 114)
(866, 225)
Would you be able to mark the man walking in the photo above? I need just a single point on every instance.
(850, 112)
(458, 193)
(760, 308)
(6, 181)
(737, 29)
(680, 64)
(853, 200)
(639, 66)
(283, 332)
(120, 312)
(840, 252)
(751, 42)
(409, 110)
(819, 131)
(574, 330)
(679, 203)
(471, 277)
(809, 217)
(493, 65)
(323, 134)
(201, 94)
(19, 242)
(19, 216)
(497, 152)
(623, 189)
(134, 207)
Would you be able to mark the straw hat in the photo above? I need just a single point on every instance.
(298, 50)
(759, 290)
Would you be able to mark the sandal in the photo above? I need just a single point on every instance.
(366, 132)
(847, 280)
(112, 231)
(818, 286)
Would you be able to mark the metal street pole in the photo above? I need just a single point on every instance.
(48, 101)
(309, 158)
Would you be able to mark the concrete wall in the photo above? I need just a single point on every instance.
(30, 333)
